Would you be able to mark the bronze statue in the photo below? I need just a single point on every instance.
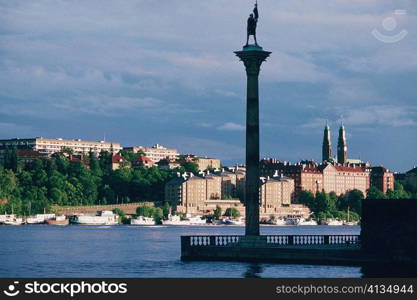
(252, 21)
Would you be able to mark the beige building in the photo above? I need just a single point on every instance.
(201, 195)
(313, 177)
(155, 153)
(187, 194)
(275, 193)
(204, 163)
(47, 146)
(340, 179)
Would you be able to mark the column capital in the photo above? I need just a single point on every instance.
(252, 57)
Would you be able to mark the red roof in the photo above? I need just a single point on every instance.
(117, 158)
(28, 153)
(143, 159)
(349, 169)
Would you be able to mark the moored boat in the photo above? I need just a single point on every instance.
(175, 220)
(13, 221)
(333, 222)
(58, 220)
(238, 221)
(104, 217)
(305, 222)
(143, 221)
(197, 220)
(39, 218)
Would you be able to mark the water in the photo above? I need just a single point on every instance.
(138, 251)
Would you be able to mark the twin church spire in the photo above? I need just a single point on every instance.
(341, 145)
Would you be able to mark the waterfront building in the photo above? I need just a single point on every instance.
(201, 194)
(155, 153)
(47, 146)
(382, 179)
(340, 179)
(314, 177)
(275, 193)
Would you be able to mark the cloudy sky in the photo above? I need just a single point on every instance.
(142, 72)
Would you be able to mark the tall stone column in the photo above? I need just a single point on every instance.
(252, 57)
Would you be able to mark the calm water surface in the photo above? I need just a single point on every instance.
(136, 251)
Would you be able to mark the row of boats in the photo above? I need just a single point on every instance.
(302, 221)
(102, 218)
(109, 218)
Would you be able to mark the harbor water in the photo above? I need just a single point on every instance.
(141, 251)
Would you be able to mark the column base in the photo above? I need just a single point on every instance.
(252, 241)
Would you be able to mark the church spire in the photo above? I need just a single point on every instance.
(327, 144)
(342, 145)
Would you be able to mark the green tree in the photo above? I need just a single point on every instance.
(375, 193)
(157, 215)
(190, 167)
(145, 211)
(217, 212)
(232, 212)
(353, 200)
(11, 159)
(307, 198)
(166, 208)
(323, 203)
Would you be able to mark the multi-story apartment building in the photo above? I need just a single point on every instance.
(187, 194)
(47, 146)
(275, 193)
(313, 177)
(200, 195)
(204, 163)
(382, 179)
(340, 179)
(155, 153)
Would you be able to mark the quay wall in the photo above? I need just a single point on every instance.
(389, 228)
(128, 208)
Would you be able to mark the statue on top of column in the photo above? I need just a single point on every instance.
(252, 22)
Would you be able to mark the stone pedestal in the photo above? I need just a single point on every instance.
(252, 241)
(252, 57)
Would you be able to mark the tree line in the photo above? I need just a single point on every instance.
(29, 188)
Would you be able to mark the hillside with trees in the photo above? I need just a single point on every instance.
(32, 187)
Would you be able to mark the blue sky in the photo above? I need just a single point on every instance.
(143, 72)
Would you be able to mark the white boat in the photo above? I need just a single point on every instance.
(39, 218)
(13, 221)
(305, 222)
(6, 217)
(351, 223)
(333, 222)
(239, 221)
(105, 217)
(143, 221)
(197, 220)
(175, 220)
(277, 222)
(292, 221)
